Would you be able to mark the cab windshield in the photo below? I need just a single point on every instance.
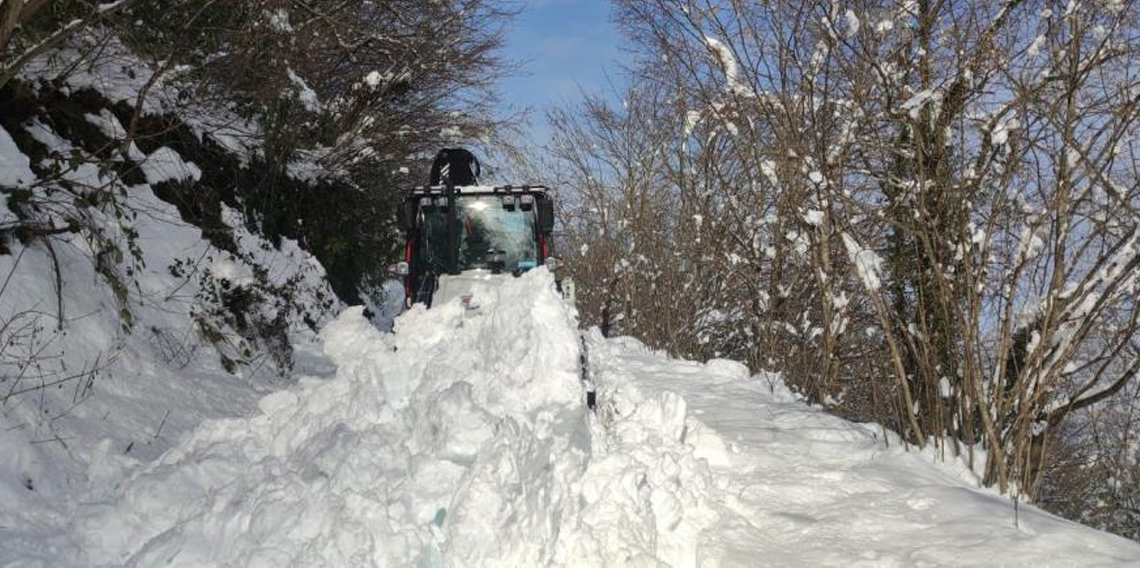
(489, 235)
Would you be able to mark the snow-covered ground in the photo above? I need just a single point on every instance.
(462, 439)
(85, 397)
(793, 486)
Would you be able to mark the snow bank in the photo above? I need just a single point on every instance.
(455, 440)
(461, 439)
(648, 498)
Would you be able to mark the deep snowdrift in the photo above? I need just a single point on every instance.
(462, 440)
(455, 440)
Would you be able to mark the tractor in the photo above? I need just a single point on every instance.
(457, 232)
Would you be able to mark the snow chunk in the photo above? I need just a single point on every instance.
(768, 169)
(1002, 130)
(867, 263)
(728, 63)
(15, 167)
(164, 164)
(109, 125)
(725, 58)
(279, 21)
(853, 23)
(692, 119)
(305, 94)
(15, 170)
(914, 105)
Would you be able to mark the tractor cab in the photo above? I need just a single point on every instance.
(469, 229)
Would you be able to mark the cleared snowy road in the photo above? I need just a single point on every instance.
(462, 440)
(793, 486)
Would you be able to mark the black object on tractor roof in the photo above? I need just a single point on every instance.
(455, 166)
(455, 225)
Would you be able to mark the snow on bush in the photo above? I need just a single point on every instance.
(867, 263)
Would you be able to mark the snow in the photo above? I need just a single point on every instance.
(279, 21)
(103, 8)
(1071, 8)
(119, 76)
(768, 168)
(458, 439)
(133, 395)
(913, 106)
(853, 23)
(795, 486)
(728, 63)
(15, 170)
(867, 263)
(164, 164)
(374, 78)
(461, 439)
(428, 445)
(1002, 130)
(1031, 244)
(116, 75)
(692, 119)
(305, 93)
(109, 125)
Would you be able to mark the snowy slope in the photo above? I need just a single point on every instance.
(461, 439)
(85, 400)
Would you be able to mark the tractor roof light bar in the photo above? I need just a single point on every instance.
(476, 189)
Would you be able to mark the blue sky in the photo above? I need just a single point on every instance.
(566, 46)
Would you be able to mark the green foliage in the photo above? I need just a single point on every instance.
(53, 16)
(191, 30)
(247, 323)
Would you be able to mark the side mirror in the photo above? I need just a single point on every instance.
(399, 269)
(553, 263)
(545, 216)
